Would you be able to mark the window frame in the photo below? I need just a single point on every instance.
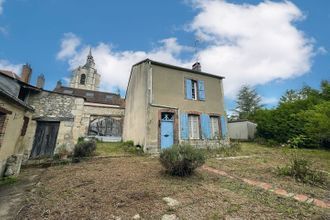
(217, 118)
(191, 135)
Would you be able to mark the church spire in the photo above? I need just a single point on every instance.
(90, 60)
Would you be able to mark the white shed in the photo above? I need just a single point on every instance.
(242, 130)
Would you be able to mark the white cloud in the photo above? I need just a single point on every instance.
(1, 6)
(251, 44)
(68, 46)
(248, 44)
(6, 65)
(114, 66)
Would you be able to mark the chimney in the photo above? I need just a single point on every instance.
(58, 84)
(26, 73)
(197, 67)
(40, 81)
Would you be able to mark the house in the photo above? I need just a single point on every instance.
(15, 116)
(242, 130)
(63, 115)
(35, 122)
(167, 105)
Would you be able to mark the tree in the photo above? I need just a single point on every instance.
(248, 102)
(289, 96)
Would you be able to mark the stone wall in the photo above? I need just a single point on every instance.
(72, 112)
(50, 106)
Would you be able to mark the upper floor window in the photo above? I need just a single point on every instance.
(83, 79)
(194, 89)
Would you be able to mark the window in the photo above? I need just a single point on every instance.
(67, 91)
(193, 124)
(89, 94)
(214, 121)
(2, 126)
(82, 79)
(25, 125)
(194, 89)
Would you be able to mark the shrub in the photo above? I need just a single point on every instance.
(300, 169)
(84, 148)
(181, 160)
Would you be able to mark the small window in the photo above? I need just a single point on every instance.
(193, 126)
(214, 127)
(83, 79)
(67, 91)
(25, 125)
(89, 94)
(108, 96)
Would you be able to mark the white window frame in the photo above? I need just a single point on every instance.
(194, 89)
(215, 127)
(193, 127)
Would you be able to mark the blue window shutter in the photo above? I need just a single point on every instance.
(184, 126)
(201, 90)
(188, 89)
(223, 127)
(205, 124)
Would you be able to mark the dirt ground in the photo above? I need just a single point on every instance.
(119, 188)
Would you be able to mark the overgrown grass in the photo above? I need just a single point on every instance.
(117, 149)
(233, 150)
(8, 180)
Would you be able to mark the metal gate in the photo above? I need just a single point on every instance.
(45, 139)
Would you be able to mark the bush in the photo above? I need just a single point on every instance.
(84, 148)
(301, 171)
(182, 160)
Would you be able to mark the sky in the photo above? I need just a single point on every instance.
(269, 45)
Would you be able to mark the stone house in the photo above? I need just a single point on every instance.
(35, 122)
(167, 105)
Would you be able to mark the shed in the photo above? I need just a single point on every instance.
(242, 130)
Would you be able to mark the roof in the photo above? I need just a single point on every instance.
(92, 96)
(179, 68)
(14, 99)
(10, 74)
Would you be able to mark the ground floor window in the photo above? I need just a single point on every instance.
(214, 121)
(193, 126)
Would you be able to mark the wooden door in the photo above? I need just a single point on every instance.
(45, 139)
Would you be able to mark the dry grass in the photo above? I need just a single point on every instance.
(262, 166)
(122, 187)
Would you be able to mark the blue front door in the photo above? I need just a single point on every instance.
(166, 130)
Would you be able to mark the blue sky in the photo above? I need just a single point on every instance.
(272, 45)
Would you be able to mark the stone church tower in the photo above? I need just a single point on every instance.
(86, 76)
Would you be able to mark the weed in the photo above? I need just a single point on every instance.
(8, 180)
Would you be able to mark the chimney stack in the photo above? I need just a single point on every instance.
(26, 73)
(41, 81)
(58, 84)
(197, 67)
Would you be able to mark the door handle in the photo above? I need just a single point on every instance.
(166, 135)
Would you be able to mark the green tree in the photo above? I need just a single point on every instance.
(247, 103)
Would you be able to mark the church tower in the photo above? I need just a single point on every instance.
(86, 76)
